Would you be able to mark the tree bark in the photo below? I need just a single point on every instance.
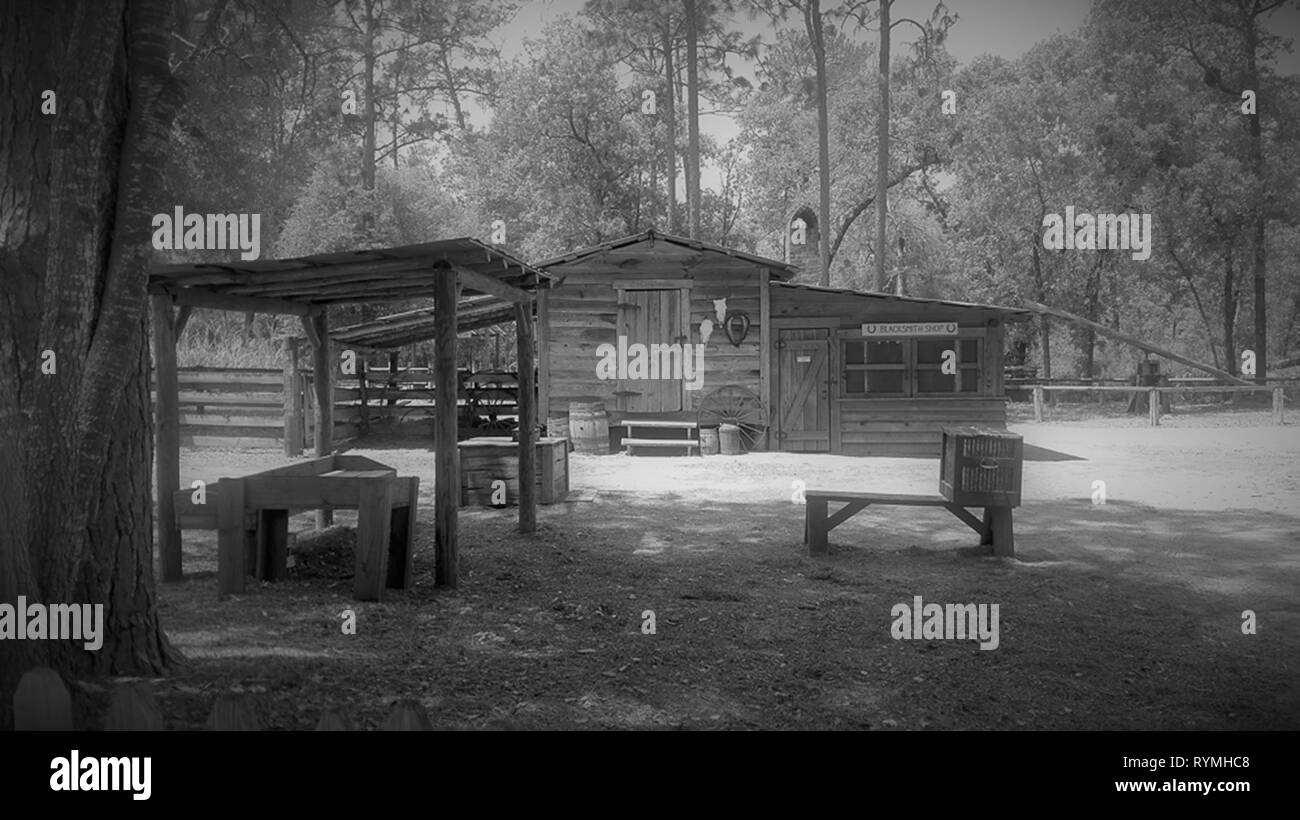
(693, 119)
(75, 232)
(1230, 305)
(882, 148)
(813, 22)
(670, 115)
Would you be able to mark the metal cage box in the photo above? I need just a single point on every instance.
(981, 467)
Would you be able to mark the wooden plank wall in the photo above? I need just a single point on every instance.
(243, 407)
(583, 313)
(900, 426)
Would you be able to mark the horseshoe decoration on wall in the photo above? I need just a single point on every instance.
(736, 326)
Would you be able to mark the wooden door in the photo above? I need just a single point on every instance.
(651, 317)
(803, 390)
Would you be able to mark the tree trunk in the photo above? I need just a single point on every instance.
(1230, 305)
(882, 148)
(368, 150)
(813, 22)
(670, 115)
(693, 120)
(1259, 258)
(76, 249)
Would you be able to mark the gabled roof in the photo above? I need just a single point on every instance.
(1012, 313)
(779, 270)
(307, 283)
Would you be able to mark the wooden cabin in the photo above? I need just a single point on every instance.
(835, 371)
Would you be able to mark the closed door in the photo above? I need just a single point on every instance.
(652, 317)
(803, 389)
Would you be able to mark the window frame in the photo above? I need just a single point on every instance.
(911, 368)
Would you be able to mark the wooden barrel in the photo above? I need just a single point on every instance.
(708, 441)
(589, 427)
(729, 439)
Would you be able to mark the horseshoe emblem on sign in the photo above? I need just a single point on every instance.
(736, 326)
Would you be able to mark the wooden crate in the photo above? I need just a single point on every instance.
(981, 467)
(487, 459)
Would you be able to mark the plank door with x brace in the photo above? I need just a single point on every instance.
(803, 390)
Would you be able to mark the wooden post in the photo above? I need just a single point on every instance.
(527, 420)
(292, 400)
(1277, 405)
(815, 530)
(1038, 403)
(231, 540)
(446, 485)
(317, 328)
(374, 521)
(1153, 402)
(167, 430)
(361, 387)
(1001, 530)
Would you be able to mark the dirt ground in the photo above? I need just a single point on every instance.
(1126, 615)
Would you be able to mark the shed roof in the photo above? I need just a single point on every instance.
(612, 248)
(401, 329)
(306, 284)
(1011, 313)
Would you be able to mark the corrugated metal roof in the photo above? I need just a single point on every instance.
(780, 270)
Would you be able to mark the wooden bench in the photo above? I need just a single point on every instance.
(995, 529)
(631, 441)
(251, 516)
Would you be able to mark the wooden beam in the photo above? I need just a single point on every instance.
(543, 355)
(766, 351)
(473, 280)
(446, 487)
(323, 382)
(167, 443)
(243, 304)
(292, 400)
(182, 318)
(527, 420)
(309, 329)
(1136, 342)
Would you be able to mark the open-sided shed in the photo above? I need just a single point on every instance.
(305, 287)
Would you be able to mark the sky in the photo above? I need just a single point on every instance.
(1005, 28)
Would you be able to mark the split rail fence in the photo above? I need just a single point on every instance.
(1154, 394)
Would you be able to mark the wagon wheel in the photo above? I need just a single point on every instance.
(734, 404)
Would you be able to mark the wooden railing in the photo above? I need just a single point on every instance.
(1154, 394)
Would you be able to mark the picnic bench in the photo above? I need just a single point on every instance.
(251, 516)
(979, 467)
(994, 529)
(630, 441)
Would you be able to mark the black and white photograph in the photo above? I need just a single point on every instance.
(646, 367)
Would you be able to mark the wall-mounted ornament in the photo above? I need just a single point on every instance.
(736, 326)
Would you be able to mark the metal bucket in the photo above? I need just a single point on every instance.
(709, 441)
(729, 439)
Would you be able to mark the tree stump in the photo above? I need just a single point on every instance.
(407, 716)
(42, 703)
(233, 713)
(334, 721)
(133, 709)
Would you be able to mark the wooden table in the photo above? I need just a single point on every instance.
(251, 516)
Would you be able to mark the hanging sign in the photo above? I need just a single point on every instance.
(910, 329)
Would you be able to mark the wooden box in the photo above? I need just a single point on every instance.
(487, 459)
(981, 467)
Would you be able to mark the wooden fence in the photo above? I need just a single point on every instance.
(244, 407)
(42, 704)
(1154, 395)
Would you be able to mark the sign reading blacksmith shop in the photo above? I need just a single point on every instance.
(910, 329)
